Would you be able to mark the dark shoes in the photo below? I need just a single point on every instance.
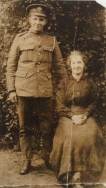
(76, 179)
(25, 167)
(47, 164)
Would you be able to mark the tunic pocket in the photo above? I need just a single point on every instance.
(27, 52)
(25, 74)
(25, 80)
(21, 74)
(48, 50)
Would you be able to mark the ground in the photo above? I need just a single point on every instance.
(39, 177)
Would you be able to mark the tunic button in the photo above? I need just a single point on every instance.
(38, 63)
(37, 70)
(38, 37)
(39, 53)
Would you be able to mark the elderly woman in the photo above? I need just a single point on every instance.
(78, 147)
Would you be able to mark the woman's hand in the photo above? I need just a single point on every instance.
(13, 97)
(79, 119)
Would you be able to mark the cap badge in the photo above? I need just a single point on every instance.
(39, 8)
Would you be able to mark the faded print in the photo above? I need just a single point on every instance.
(77, 25)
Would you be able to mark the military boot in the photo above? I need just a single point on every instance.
(47, 164)
(25, 167)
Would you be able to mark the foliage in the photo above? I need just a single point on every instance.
(77, 25)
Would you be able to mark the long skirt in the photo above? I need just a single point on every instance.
(78, 148)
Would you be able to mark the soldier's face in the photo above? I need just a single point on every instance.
(37, 22)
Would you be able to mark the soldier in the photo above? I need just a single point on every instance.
(33, 56)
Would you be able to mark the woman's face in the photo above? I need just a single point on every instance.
(77, 64)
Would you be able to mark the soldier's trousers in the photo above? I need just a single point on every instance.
(43, 109)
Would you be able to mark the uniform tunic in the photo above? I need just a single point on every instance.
(77, 148)
(32, 60)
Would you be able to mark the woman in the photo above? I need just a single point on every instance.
(78, 146)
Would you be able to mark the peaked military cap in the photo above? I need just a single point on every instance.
(38, 10)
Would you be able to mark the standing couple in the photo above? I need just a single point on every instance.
(77, 155)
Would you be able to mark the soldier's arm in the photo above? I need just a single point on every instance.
(59, 66)
(12, 65)
(60, 100)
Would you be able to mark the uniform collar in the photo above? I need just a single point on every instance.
(35, 33)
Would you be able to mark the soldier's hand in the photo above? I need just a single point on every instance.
(13, 97)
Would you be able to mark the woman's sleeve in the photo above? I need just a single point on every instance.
(92, 100)
(60, 100)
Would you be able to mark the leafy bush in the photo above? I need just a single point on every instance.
(77, 25)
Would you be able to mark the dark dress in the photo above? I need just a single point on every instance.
(77, 148)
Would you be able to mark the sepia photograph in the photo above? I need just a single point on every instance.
(53, 93)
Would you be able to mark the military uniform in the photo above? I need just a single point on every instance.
(32, 60)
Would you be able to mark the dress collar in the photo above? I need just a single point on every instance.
(82, 77)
